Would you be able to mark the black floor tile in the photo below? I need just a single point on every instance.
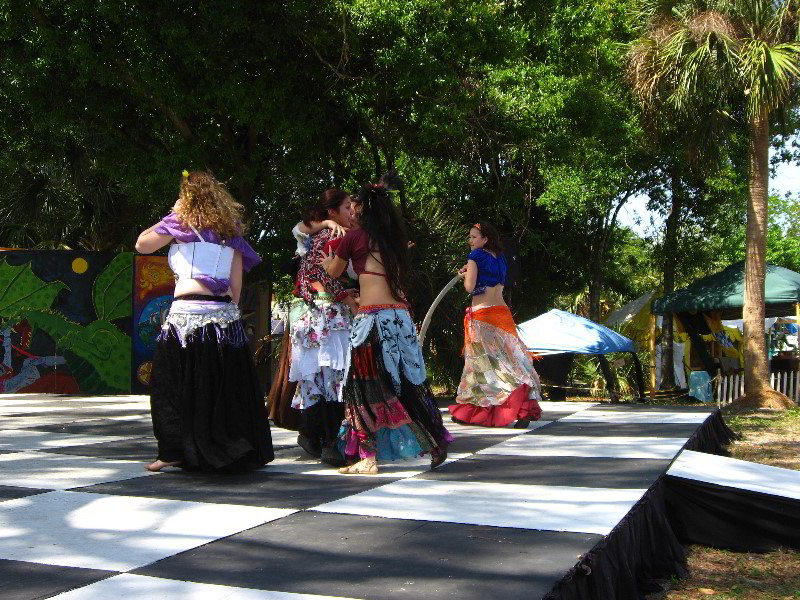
(100, 427)
(144, 449)
(599, 430)
(72, 415)
(375, 558)
(553, 470)
(27, 581)
(10, 492)
(653, 407)
(475, 441)
(274, 490)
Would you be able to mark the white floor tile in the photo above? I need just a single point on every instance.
(283, 437)
(41, 419)
(457, 429)
(738, 474)
(26, 439)
(643, 417)
(28, 395)
(63, 471)
(565, 407)
(588, 446)
(27, 409)
(122, 398)
(109, 408)
(553, 508)
(139, 587)
(116, 533)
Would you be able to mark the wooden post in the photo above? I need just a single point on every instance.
(797, 326)
(652, 357)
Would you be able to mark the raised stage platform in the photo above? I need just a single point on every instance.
(512, 514)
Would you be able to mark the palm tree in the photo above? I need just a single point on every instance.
(741, 57)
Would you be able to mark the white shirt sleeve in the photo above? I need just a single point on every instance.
(303, 241)
(351, 272)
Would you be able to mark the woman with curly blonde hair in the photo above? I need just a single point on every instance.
(207, 406)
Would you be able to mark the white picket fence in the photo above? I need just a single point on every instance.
(730, 387)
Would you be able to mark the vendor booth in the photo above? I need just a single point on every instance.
(557, 336)
(707, 311)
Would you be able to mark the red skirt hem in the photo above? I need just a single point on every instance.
(517, 406)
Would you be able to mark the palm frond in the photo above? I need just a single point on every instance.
(768, 72)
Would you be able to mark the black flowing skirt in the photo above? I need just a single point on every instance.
(207, 406)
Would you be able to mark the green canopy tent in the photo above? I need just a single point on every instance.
(723, 292)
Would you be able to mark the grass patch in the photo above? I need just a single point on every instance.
(722, 575)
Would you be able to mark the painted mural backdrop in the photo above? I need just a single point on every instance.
(154, 285)
(65, 321)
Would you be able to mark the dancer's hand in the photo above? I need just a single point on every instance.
(352, 303)
(326, 261)
(338, 230)
(462, 272)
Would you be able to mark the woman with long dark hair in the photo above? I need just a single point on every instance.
(499, 385)
(320, 318)
(390, 412)
(207, 405)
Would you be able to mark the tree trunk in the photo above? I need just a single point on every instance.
(595, 287)
(756, 369)
(670, 258)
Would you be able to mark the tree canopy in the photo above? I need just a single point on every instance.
(514, 112)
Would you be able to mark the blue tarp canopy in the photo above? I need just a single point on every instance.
(557, 331)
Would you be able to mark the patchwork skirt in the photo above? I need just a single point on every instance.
(499, 384)
(320, 337)
(206, 401)
(390, 412)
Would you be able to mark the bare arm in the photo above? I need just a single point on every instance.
(149, 241)
(471, 276)
(236, 277)
(317, 226)
(333, 265)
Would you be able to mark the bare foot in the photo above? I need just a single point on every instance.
(368, 466)
(160, 464)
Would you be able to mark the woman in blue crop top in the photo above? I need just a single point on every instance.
(205, 398)
(499, 385)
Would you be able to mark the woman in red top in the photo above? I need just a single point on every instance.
(389, 408)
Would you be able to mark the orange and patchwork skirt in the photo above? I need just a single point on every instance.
(499, 384)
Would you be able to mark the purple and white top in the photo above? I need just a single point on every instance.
(184, 234)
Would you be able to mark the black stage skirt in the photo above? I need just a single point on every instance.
(207, 405)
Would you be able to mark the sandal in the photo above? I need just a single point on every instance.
(368, 466)
(438, 456)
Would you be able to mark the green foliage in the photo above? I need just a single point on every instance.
(99, 354)
(103, 351)
(52, 323)
(21, 289)
(514, 112)
(113, 289)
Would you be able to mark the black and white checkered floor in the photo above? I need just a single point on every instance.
(507, 515)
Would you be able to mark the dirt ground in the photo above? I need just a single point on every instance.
(770, 438)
